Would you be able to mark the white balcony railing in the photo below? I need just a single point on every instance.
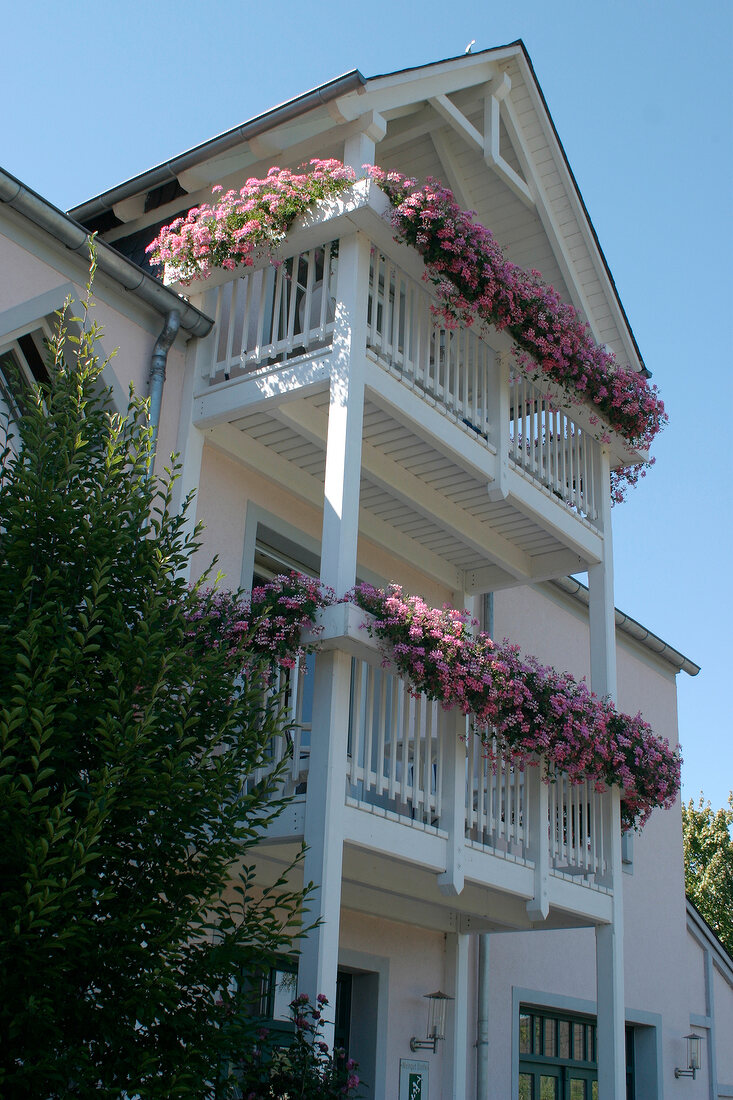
(397, 755)
(272, 314)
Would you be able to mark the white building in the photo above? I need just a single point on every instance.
(320, 433)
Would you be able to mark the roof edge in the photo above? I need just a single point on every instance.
(68, 232)
(168, 170)
(633, 629)
(707, 932)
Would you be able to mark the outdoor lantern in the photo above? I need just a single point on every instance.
(436, 1022)
(693, 1057)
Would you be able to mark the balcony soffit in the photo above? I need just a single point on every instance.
(412, 458)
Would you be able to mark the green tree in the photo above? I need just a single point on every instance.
(708, 849)
(128, 742)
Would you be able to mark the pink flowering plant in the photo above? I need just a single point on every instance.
(266, 626)
(240, 225)
(529, 709)
(475, 281)
(305, 1069)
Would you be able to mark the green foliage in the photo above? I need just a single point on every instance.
(305, 1068)
(708, 848)
(128, 743)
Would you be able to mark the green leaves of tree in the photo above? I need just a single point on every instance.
(708, 849)
(128, 746)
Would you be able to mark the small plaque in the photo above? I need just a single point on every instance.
(413, 1079)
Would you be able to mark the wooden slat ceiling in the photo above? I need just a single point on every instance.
(424, 462)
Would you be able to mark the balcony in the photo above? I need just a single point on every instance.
(429, 817)
(490, 476)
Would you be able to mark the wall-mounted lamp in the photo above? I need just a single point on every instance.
(693, 1058)
(436, 1022)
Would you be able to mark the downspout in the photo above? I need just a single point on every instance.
(482, 1015)
(158, 362)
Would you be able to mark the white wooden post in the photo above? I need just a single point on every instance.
(610, 970)
(609, 937)
(359, 148)
(600, 593)
(324, 814)
(456, 1031)
(325, 798)
(453, 812)
(537, 804)
(345, 417)
(498, 400)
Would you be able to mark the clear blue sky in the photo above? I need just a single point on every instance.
(641, 94)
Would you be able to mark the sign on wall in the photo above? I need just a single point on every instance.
(413, 1079)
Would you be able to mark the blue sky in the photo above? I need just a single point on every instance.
(641, 95)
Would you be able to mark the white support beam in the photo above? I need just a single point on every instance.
(453, 811)
(601, 605)
(498, 399)
(492, 142)
(536, 794)
(404, 89)
(544, 567)
(458, 122)
(229, 401)
(451, 171)
(610, 969)
(342, 479)
(324, 809)
(360, 147)
(456, 978)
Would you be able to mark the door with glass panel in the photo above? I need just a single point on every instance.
(557, 1056)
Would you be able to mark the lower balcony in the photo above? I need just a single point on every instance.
(438, 825)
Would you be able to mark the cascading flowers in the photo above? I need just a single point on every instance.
(472, 277)
(530, 710)
(240, 225)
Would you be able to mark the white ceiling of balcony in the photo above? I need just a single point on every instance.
(410, 455)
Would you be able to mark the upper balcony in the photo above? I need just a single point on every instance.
(468, 469)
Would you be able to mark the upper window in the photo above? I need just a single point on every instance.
(21, 365)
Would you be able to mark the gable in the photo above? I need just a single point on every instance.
(478, 123)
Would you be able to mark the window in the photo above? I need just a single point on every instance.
(558, 1056)
(21, 365)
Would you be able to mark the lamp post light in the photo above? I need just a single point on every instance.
(436, 1022)
(693, 1057)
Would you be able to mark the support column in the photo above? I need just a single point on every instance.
(324, 827)
(454, 1064)
(453, 809)
(345, 418)
(601, 610)
(482, 1017)
(325, 799)
(611, 1034)
(498, 402)
(359, 148)
(609, 937)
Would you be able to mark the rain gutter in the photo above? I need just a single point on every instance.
(75, 237)
(631, 628)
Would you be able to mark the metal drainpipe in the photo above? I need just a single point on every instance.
(158, 362)
(482, 1015)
